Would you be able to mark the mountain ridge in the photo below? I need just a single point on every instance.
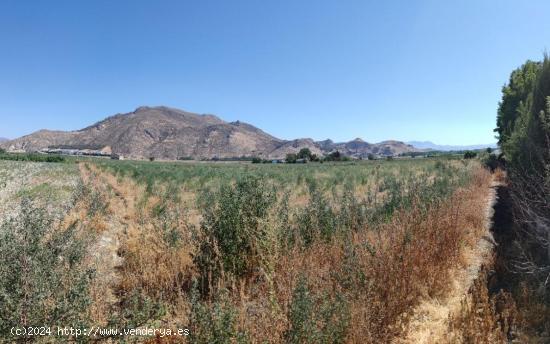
(167, 133)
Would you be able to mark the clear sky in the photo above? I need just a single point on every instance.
(407, 70)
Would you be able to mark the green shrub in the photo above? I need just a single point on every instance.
(316, 319)
(351, 275)
(491, 162)
(291, 158)
(302, 323)
(470, 155)
(353, 213)
(31, 157)
(334, 156)
(234, 229)
(42, 279)
(214, 322)
(136, 310)
(317, 219)
(285, 231)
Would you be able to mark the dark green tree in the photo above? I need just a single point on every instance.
(304, 153)
(470, 155)
(524, 126)
(515, 99)
(334, 156)
(291, 158)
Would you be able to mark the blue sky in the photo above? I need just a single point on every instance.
(407, 70)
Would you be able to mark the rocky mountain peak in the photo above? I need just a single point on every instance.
(168, 133)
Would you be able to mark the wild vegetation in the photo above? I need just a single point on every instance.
(305, 253)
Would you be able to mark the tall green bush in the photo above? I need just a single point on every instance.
(234, 230)
(42, 279)
(317, 219)
(215, 322)
(315, 319)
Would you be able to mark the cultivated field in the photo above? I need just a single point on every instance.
(349, 252)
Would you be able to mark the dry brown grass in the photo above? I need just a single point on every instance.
(499, 176)
(483, 318)
(152, 266)
(147, 263)
(415, 255)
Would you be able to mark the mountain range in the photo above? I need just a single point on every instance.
(167, 133)
(432, 146)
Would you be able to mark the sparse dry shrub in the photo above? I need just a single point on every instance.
(499, 176)
(157, 258)
(483, 318)
(151, 276)
(151, 264)
(534, 313)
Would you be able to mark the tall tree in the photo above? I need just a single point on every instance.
(515, 99)
(525, 140)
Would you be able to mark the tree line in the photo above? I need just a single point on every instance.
(523, 132)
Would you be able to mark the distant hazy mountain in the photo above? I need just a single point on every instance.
(360, 148)
(167, 133)
(433, 146)
(3, 139)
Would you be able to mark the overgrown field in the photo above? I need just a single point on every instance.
(313, 253)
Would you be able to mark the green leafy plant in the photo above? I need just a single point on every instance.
(291, 158)
(234, 229)
(42, 277)
(316, 319)
(470, 155)
(317, 220)
(214, 322)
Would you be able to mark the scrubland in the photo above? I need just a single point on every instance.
(313, 253)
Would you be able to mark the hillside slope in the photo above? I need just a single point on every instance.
(167, 133)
